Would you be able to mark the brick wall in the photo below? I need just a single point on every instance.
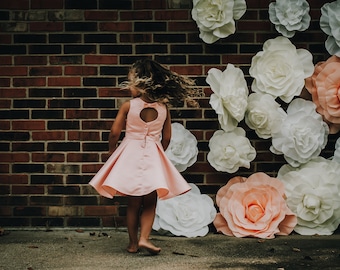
(61, 63)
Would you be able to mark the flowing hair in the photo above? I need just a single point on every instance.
(160, 84)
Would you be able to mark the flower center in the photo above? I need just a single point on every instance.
(312, 203)
(254, 211)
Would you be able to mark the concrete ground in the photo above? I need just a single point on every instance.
(94, 249)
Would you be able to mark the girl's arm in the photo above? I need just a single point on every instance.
(117, 126)
(166, 132)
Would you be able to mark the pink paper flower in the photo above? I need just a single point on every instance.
(254, 207)
(324, 85)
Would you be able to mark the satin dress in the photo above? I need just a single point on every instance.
(139, 165)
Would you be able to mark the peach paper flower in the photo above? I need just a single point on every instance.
(324, 85)
(254, 207)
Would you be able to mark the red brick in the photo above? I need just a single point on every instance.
(13, 179)
(28, 125)
(46, 26)
(81, 157)
(17, 4)
(42, 4)
(101, 59)
(14, 157)
(19, 82)
(82, 114)
(48, 157)
(5, 39)
(136, 15)
(172, 15)
(48, 135)
(5, 82)
(83, 136)
(4, 125)
(91, 168)
(4, 168)
(28, 189)
(113, 92)
(5, 60)
(116, 27)
(30, 60)
(64, 81)
(100, 210)
(45, 71)
(5, 211)
(182, 26)
(13, 71)
(12, 93)
(81, 70)
(101, 15)
(187, 70)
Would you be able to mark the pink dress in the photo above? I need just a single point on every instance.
(139, 165)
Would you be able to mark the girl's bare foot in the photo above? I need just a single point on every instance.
(132, 248)
(152, 249)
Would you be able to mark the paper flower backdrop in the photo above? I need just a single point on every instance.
(289, 16)
(230, 95)
(330, 24)
(313, 195)
(187, 215)
(324, 85)
(216, 19)
(254, 207)
(303, 133)
(280, 69)
(182, 150)
(264, 115)
(230, 150)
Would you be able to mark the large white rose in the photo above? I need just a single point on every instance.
(182, 150)
(215, 19)
(230, 95)
(330, 24)
(289, 16)
(280, 69)
(336, 156)
(264, 115)
(230, 150)
(187, 215)
(303, 133)
(312, 192)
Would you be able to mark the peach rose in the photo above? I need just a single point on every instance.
(254, 207)
(324, 85)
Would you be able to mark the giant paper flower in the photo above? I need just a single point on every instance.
(280, 69)
(187, 215)
(313, 195)
(254, 207)
(216, 19)
(330, 24)
(324, 85)
(264, 115)
(182, 150)
(303, 133)
(289, 16)
(230, 150)
(336, 156)
(230, 95)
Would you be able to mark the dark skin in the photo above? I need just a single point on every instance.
(146, 202)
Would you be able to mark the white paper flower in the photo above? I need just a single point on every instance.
(216, 19)
(187, 215)
(230, 95)
(264, 115)
(289, 16)
(330, 24)
(303, 133)
(336, 156)
(230, 150)
(312, 192)
(280, 69)
(182, 150)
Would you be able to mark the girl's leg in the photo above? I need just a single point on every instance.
(132, 220)
(147, 218)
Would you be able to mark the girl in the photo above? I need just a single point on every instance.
(138, 167)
